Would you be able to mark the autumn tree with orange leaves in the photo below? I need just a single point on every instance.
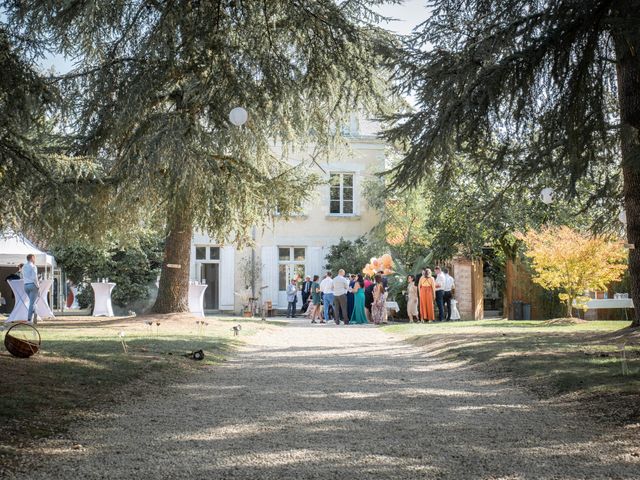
(574, 262)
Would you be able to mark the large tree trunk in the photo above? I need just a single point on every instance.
(174, 280)
(627, 46)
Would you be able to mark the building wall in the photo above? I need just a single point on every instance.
(312, 232)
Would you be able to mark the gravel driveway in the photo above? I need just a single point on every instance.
(327, 402)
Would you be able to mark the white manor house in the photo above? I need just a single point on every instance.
(298, 245)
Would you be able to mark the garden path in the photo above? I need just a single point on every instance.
(327, 402)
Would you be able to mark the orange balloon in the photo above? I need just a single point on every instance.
(386, 260)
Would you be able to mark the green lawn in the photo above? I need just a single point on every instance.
(82, 365)
(577, 361)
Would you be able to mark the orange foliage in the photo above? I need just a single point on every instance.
(574, 262)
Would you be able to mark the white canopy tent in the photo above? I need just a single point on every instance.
(14, 249)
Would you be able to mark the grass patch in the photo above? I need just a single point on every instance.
(579, 361)
(82, 365)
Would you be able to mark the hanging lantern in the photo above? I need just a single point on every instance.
(238, 116)
(546, 195)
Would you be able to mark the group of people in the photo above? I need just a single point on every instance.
(351, 299)
(426, 290)
(355, 299)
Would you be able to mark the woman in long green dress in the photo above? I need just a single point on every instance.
(358, 316)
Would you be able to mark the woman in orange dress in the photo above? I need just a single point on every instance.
(427, 288)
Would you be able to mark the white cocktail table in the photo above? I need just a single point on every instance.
(196, 299)
(43, 310)
(102, 299)
(455, 314)
(392, 306)
(21, 306)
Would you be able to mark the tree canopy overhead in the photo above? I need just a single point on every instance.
(153, 85)
(531, 89)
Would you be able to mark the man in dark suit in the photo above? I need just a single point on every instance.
(306, 292)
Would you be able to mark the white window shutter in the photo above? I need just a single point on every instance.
(315, 262)
(227, 277)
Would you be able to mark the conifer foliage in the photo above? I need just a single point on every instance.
(153, 86)
(528, 88)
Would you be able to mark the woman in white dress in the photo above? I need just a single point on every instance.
(412, 298)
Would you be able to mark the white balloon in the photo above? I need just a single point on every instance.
(623, 217)
(546, 195)
(238, 116)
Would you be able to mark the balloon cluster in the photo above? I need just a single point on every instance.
(384, 263)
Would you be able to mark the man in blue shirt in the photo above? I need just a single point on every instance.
(30, 277)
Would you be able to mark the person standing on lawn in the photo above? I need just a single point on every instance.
(315, 301)
(440, 280)
(292, 298)
(449, 285)
(306, 293)
(340, 289)
(326, 286)
(427, 291)
(378, 310)
(31, 286)
(352, 283)
(358, 316)
(412, 299)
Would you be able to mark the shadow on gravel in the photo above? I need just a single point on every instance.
(362, 410)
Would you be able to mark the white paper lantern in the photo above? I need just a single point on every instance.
(238, 116)
(623, 217)
(546, 195)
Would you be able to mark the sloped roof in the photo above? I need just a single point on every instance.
(14, 249)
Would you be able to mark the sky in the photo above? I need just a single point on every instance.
(406, 16)
(410, 14)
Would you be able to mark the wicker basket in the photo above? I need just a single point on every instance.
(19, 347)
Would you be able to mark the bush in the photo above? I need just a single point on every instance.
(350, 255)
(132, 268)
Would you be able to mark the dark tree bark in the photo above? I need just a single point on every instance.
(627, 45)
(173, 291)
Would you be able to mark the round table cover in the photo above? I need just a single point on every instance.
(455, 314)
(196, 299)
(392, 306)
(21, 307)
(102, 299)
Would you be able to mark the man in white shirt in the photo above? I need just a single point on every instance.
(340, 289)
(326, 287)
(30, 277)
(292, 297)
(440, 279)
(448, 286)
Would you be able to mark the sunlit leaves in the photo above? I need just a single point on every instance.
(573, 262)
